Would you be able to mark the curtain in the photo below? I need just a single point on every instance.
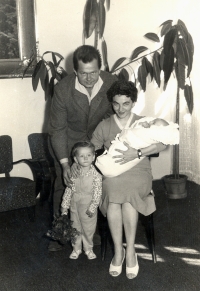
(189, 155)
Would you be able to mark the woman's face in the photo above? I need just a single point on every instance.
(122, 106)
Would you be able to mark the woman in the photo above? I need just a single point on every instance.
(127, 194)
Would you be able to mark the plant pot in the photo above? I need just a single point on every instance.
(176, 188)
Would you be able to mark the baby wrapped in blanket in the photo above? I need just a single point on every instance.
(142, 133)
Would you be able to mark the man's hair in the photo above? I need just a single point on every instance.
(122, 87)
(82, 144)
(86, 54)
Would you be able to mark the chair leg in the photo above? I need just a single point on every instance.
(151, 235)
(104, 237)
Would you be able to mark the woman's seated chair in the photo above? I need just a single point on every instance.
(15, 192)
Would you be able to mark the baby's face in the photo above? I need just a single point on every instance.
(144, 124)
(84, 156)
(158, 122)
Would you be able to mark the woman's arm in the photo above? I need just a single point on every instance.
(131, 153)
(97, 137)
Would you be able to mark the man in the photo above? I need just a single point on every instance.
(78, 105)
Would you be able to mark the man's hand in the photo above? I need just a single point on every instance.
(67, 174)
(89, 213)
(126, 156)
(75, 170)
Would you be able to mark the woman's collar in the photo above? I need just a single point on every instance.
(128, 121)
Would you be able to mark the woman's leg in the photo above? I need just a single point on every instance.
(130, 220)
(114, 216)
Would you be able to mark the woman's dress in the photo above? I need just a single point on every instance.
(133, 186)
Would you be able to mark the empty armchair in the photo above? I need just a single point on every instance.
(15, 192)
(43, 163)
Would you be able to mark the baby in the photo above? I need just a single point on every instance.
(141, 134)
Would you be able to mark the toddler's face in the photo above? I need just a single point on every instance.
(84, 156)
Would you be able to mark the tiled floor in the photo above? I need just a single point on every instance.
(26, 264)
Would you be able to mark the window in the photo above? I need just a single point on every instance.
(17, 36)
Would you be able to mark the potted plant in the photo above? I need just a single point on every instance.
(46, 71)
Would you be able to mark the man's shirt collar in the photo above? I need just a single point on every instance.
(95, 89)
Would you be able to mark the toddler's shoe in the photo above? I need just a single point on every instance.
(91, 255)
(75, 254)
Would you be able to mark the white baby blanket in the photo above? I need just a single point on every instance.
(137, 137)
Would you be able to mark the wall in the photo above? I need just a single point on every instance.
(59, 28)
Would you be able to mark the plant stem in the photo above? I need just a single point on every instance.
(176, 147)
(136, 59)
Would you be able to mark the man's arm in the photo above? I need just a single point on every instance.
(58, 132)
(58, 124)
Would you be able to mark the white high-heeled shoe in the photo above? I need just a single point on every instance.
(116, 270)
(132, 272)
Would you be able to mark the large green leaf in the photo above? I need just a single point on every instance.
(156, 67)
(180, 73)
(188, 93)
(117, 64)
(168, 64)
(54, 53)
(53, 69)
(54, 59)
(182, 52)
(142, 75)
(149, 67)
(46, 85)
(182, 29)
(123, 75)
(167, 22)
(190, 46)
(138, 51)
(63, 72)
(90, 17)
(169, 39)
(102, 18)
(36, 75)
(108, 4)
(51, 87)
(165, 28)
(152, 36)
(43, 73)
(162, 56)
(104, 55)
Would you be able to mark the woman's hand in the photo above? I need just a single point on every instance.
(126, 156)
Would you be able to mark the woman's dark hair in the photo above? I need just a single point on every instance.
(82, 144)
(122, 87)
(86, 53)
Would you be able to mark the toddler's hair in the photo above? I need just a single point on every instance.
(82, 144)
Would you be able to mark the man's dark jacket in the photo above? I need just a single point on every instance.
(72, 119)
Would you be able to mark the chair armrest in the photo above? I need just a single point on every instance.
(40, 167)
